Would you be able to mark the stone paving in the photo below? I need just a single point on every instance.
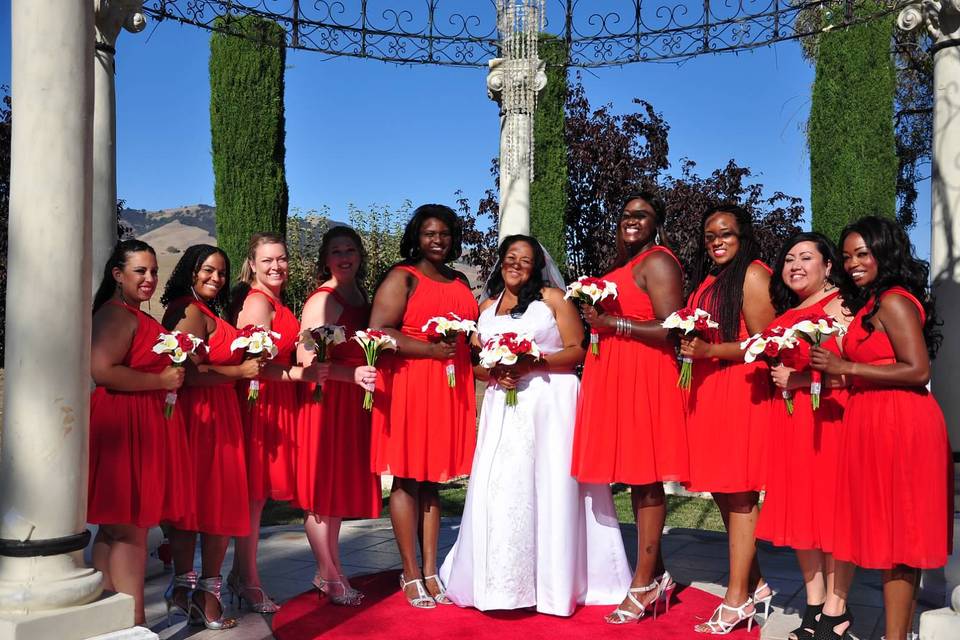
(367, 546)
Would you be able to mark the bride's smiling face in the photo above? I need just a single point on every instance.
(517, 266)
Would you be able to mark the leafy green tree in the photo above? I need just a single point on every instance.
(304, 231)
(247, 58)
(381, 228)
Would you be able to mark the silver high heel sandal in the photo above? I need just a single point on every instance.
(338, 592)
(236, 587)
(441, 597)
(186, 581)
(623, 616)
(665, 585)
(198, 615)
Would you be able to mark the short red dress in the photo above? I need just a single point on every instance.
(333, 465)
(270, 423)
(215, 432)
(631, 426)
(798, 510)
(728, 415)
(422, 428)
(894, 497)
(140, 468)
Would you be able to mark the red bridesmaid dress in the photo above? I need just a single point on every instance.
(215, 432)
(798, 510)
(270, 424)
(140, 469)
(894, 498)
(728, 414)
(422, 428)
(333, 465)
(631, 426)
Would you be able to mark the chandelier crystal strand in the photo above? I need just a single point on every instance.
(520, 24)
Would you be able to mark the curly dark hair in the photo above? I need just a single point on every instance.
(622, 256)
(117, 259)
(180, 284)
(532, 288)
(897, 266)
(724, 298)
(783, 297)
(410, 242)
(341, 231)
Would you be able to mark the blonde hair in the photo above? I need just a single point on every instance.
(264, 237)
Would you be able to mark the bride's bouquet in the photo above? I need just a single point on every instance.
(591, 291)
(373, 342)
(259, 342)
(178, 345)
(446, 328)
(768, 345)
(506, 350)
(813, 328)
(318, 339)
(689, 320)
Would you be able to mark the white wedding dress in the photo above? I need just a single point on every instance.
(531, 535)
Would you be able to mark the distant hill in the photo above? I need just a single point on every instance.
(194, 215)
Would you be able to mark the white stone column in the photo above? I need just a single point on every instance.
(942, 22)
(514, 184)
(43, 453)
(111, 17)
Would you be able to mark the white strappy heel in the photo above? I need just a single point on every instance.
(717, 626)
(423, 599)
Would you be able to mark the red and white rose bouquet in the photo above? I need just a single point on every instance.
(591, 291)
(506, 350)
(446, 328)
(815, 328)
(689, 320)
(373, 342)
(767, 345)
(178, 345)
(318, 340)
(258, 342)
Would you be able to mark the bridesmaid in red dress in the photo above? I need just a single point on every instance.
(195, 296)
(798, 510)
(893, 491)
(423, 431)
(334, 480)
(270, 423)
(641, 442)
(730, 401)
(140, 472)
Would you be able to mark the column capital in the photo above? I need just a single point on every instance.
(497, 70)
(941, 18)
(113, 15)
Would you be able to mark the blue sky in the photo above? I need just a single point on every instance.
(362, 131)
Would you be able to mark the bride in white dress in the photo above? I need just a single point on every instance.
(531, 535)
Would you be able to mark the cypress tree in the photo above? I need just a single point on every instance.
(853, 161)
(548, 191)
(247, 59)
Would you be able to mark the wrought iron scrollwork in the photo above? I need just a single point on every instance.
(597, 32)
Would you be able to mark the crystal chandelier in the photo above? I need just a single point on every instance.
(520, 23)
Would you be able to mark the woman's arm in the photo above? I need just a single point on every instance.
(571, 334)
(258, 311)
(322, 308)
(190, 319)
(389, 305)
(113, 331)
(900, 319)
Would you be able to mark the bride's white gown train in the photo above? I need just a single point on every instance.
(531, 535)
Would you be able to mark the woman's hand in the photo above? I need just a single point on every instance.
(694, 347)
(365, 377)
(823, 360)
(171, 378)
(250, 369)
(600, 322)
(780, 375)
(443, 350)
(317, 372)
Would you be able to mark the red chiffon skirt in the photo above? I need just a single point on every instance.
(894, 481)
(140, 468)
(215, 434)
(422, 428)
(800, 503)
(631, 426)
(728, 418)
(270, 429)
(333, 466)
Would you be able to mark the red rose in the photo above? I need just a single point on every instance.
(771, 349)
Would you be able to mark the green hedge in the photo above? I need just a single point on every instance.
(548, 194)
(247, 127)
(853, 161)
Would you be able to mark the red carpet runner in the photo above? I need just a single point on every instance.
(386, 614)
